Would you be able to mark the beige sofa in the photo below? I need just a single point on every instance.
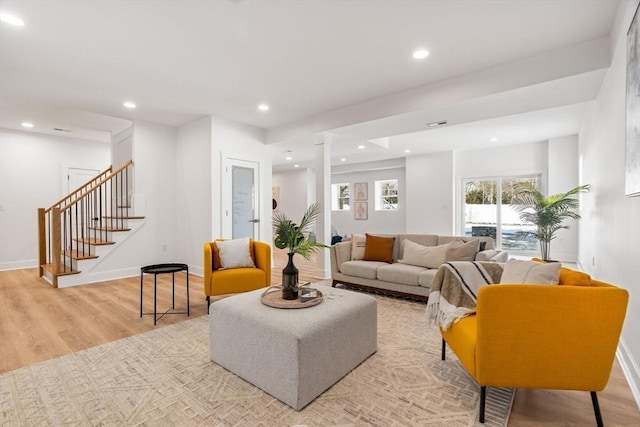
(398, 278)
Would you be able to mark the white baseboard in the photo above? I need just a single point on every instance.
(630, 370)
(16, 265)
(103, 276)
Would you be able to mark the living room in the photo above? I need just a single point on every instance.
(178, 163)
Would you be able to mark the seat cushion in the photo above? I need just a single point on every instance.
(403, 274)
(426, 277)
(234, 280)
(364, 269)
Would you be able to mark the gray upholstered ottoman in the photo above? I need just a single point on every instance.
(293, 354)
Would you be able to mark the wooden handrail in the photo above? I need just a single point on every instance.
(68, 229)
(106, 179)
(77, 190)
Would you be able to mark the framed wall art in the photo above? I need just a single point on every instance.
(361, 191)
(632, 134)
(360, 211)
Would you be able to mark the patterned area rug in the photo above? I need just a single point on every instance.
(165, 378)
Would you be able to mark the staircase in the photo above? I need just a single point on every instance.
(79, 231)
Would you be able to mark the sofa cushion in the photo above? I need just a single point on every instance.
(424, 256)
(518, 271)
(426, 277)
(421, 239)
(364, 269)
(235, 253)
(379, 248)
(570, 277)
(358, 245)
(460, 251)
(400, 273)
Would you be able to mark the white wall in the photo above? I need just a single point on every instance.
(378, 221)
(230, 139)
(32, 167)
(294, 192)
(193, 192)
(610, 224)
(154, 158)
(563, 176)
(430, 206)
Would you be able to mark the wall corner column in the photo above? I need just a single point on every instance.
(322, 142)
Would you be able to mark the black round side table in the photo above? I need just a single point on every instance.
(156, 269)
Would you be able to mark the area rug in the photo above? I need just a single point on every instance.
(165, 378)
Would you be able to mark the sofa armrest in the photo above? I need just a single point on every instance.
(548, 336)
(262, 254)
(492, 255)
(340, 252)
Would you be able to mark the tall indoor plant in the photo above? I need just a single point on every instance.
(546, 213)
(295, 238)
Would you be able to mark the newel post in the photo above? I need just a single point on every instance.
(56, 245)
(42, 241)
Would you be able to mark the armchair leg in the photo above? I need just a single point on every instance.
(596, 409)
(208, 303)
(483, 398)
(444, 347)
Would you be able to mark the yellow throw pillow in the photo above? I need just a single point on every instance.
(379, 248)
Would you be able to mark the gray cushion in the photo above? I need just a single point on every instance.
(365, 269)
(400, 273)
(426, 277)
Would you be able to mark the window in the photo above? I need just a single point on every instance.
(340, 194)
(387, 195)
(488, 212)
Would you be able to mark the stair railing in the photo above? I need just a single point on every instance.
(72, 227)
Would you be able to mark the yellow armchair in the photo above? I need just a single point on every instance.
(541, 336)
(218, 281)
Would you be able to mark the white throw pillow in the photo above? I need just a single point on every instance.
(519, 271)
(424, 256)
(358, 244)
(235, 253)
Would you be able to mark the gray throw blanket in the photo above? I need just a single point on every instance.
(453, 291)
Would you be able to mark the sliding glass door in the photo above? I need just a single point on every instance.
(488, 212)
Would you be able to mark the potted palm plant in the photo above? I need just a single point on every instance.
(295, 238)
(546, 213)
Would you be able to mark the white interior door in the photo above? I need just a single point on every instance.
(241, 210)
(77, 177)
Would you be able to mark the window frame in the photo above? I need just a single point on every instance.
(381, 199)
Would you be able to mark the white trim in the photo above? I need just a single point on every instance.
(18, 265)
(630, 369)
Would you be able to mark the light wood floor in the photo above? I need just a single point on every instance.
(38, 323)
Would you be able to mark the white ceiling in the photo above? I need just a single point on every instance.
(74, 62)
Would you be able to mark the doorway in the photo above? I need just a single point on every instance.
(241, 215)
(77, 177)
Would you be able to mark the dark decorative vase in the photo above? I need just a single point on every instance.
(290, 280)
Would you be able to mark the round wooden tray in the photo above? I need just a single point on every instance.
(273, 298)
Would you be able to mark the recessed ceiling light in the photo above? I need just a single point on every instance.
(296, 166)
(263, 107)
(11, 19)
(494, 139)
(360, 147)
(129, 104)
(343, 159)
(289, 158)
(420, 54)
(27, 124)
(407, 151)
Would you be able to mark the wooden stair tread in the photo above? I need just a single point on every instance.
(78, 255)
(69, 271)
(107, 228)
(95, 242)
